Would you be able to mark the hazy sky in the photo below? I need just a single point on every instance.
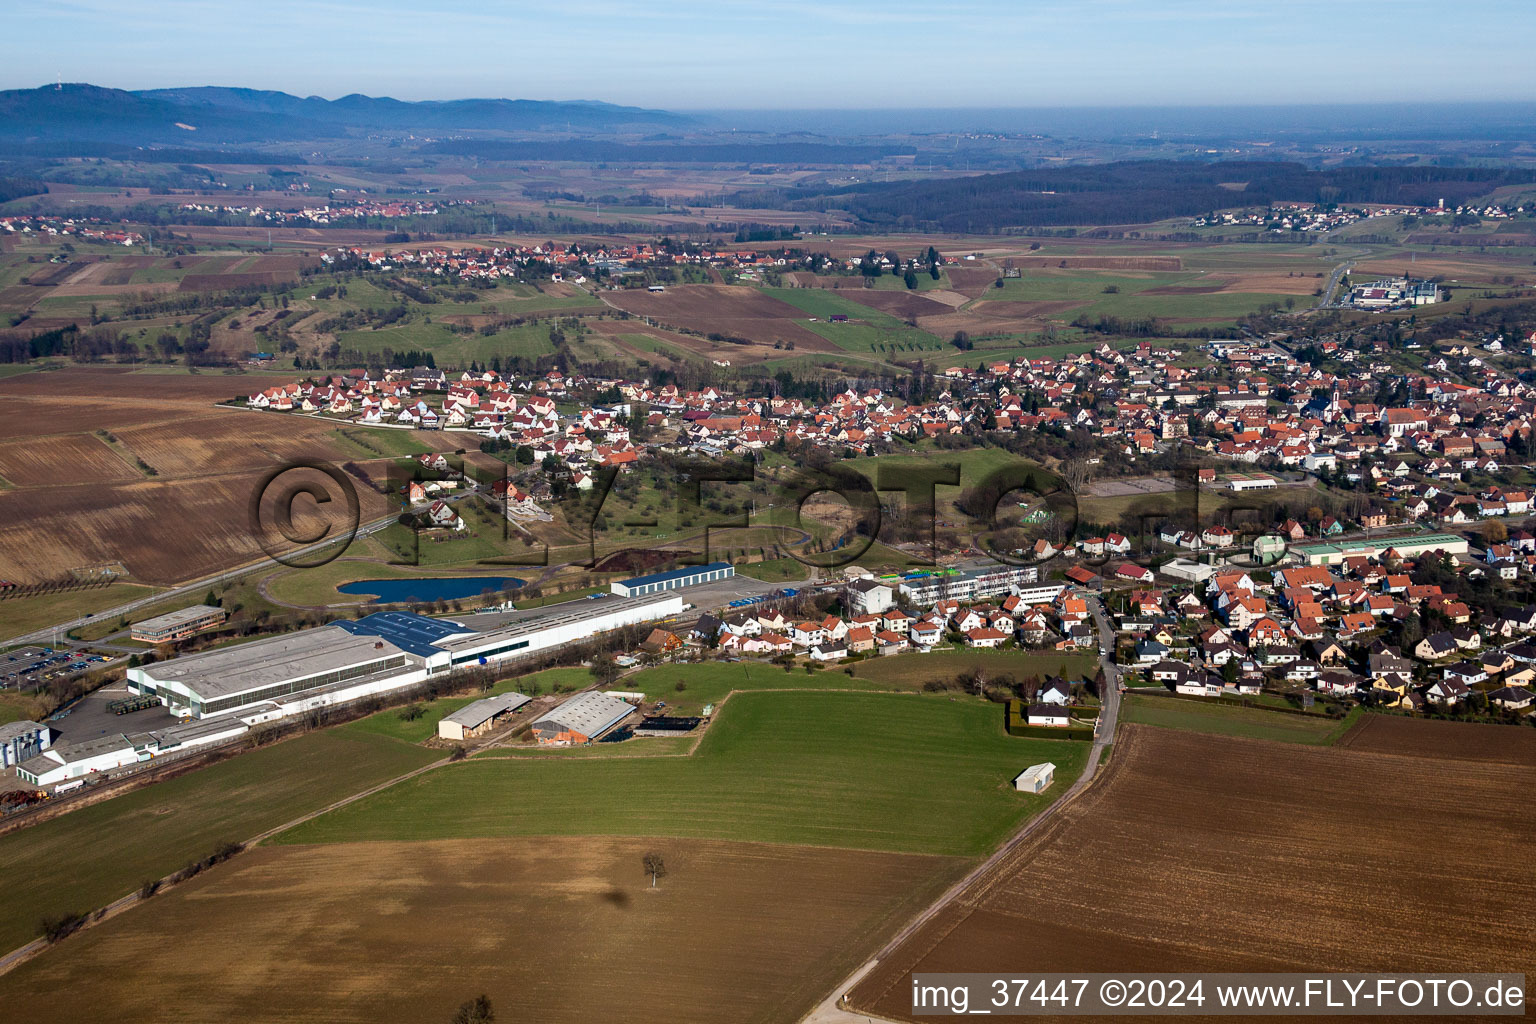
(696, 54)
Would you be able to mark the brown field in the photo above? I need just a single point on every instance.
(219, 442)
(899, 304)
(1457, 741)
(221, 282)
(77, 503)
(554, 930)
(725, 309)
(162, 530)
(1200, 852)
(70, 459)
(972, 282)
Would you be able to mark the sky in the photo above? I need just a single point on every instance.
(779, 54)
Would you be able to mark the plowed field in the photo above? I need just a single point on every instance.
(1221, 854)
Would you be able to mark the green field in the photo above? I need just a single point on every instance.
(1087, 289)
(87, 858)
(23, 614)
(1229, 720)
(710, 682)
(913, 670)
(380, 442)
(868, 330)
(870, 771)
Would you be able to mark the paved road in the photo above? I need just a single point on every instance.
(1339, 271)
(831, 1009)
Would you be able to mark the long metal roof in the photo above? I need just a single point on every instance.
(407, 630)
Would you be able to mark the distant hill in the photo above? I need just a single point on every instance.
(211, 114)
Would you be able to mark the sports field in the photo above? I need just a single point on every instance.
(895, 772)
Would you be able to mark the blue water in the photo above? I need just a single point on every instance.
(442, 588)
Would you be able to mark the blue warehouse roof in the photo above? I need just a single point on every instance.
(675, 574)
(406, 630)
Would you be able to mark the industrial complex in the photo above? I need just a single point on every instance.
(348, 660)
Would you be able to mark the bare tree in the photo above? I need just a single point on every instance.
(1075, 473)
(475, 1011)
(655, 867)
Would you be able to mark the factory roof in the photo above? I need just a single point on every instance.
(550, 618)
(407, 630)
(232, 670)
(674, 574)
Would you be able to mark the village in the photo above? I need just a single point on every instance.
(1377, 602)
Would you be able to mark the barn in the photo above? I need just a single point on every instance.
(582, 719)
(481, 717)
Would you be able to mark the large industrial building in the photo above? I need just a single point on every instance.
(974, 584)
(349, 660)
(657, 582)
(1410, 546)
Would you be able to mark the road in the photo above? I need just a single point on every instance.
(831, 1009)
(1339, 271)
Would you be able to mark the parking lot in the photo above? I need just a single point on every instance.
(90, 717)
(32, 667)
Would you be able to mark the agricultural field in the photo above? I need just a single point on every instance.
(725, 309)
(1133, 294)
(867, 328)
(91, 856)
(1229, 720)
(564, 929)
(138, 469)
(915, 670)
(1244, 855)
(1456, 741)
(65, 459)
(895, 772)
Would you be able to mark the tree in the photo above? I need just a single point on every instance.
(1495, 533)
(476, 1011)
(655, 867)
(604, 669)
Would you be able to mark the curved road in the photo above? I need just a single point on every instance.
(831, 1010)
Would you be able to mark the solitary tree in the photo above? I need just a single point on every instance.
(475, 1011)
(655, 867)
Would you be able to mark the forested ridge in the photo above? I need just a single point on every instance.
(1132, 192)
